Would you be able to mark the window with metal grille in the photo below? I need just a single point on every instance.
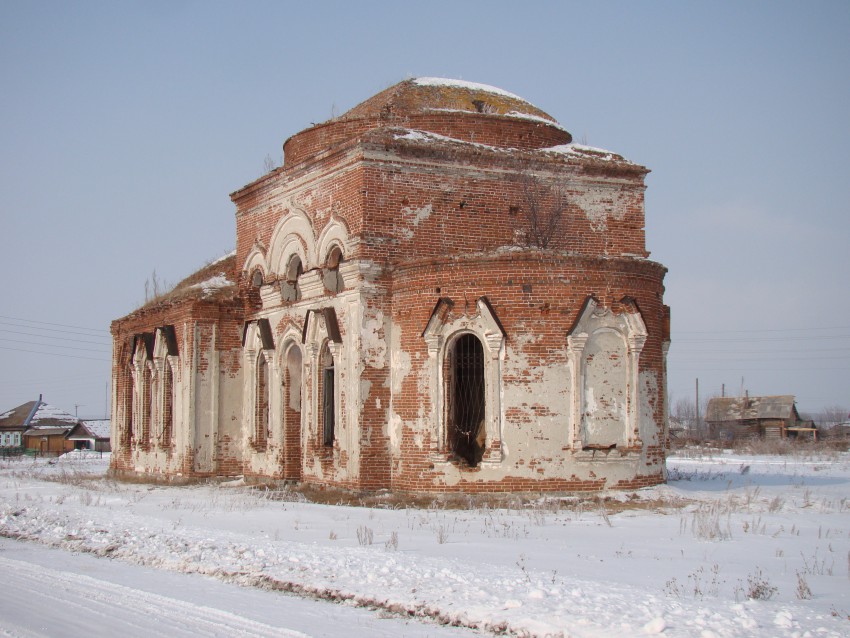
(465, 403)
(328, 403)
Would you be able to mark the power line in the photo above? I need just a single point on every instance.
(55, 354)
(698, 332)
(47, 323)
(762, 339)
(747, 369)
(32, 334)
(53, 345)
(67, 332)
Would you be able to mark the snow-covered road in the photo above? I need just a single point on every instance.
(50, 592)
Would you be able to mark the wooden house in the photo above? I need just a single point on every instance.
(771, 417)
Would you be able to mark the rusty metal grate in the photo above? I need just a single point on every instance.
(465, 400)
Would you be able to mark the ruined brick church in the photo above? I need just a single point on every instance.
(437, 291)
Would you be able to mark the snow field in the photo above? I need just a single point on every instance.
(733, 546)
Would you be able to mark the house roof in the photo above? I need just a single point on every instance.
(98, 427)
(746, 408)
(17, 417)
(36, 414)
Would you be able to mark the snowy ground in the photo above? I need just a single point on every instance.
(733, 546)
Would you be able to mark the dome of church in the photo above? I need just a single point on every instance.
(456, 109)
(426, 95)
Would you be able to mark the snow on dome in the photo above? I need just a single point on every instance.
(462, 84)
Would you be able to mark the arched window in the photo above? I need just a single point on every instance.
(261, 419)
(465, 402)
(332, 277)
(147, 403)
(327, 395)
(290, 289)
(167, 405)
(129, 411)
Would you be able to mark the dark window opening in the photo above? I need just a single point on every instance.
(147, 405)
(262, 412)
(328, 404)
(129, 408)
(168, 405)
(290, 289)
(466, 436)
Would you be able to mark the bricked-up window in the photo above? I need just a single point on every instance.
(465, 403)
(257, 278)
(606, 393)
(332, 277)
(326, 366)
(290, 288)
(167, 405)
(292, 413)
(261, 421)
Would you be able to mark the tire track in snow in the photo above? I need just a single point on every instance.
(88, 606)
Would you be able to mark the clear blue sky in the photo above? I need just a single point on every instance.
(125, 125)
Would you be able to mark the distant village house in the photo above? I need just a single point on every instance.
(40, 428)
(773, 417)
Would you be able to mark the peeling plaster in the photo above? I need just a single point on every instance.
(365, 388)
(599, 203)
(648, 428)
(413, 217)
(372, 340)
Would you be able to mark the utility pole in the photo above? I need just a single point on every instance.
(699, 425)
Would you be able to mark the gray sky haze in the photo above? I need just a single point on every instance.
(124, 126)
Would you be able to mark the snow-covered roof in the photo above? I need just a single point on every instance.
(214, 283)
(215, 280)
(589, 152)
(47, 414)
(98, 427)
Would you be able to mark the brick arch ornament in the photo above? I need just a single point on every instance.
(256, 259)
(292, 235)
